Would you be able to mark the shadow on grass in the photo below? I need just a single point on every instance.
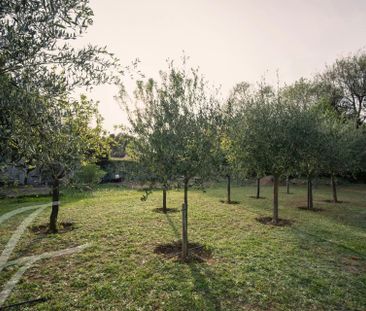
(332, 201)
(314, 209)
(318, 238)
(254, 197)
(202, 276)
(172, 225)
(200, 271)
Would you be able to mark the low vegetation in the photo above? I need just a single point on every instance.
(316, 263)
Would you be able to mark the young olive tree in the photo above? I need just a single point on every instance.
(241, 97)
(262, 139)
(64, 142)
(344, 150)
(175, 129)
(227, 118)
(310, 143)
(151, 123)
(303, 94)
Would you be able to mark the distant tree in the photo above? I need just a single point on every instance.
(304, 94)
(227, 118)
(223, 166)
(344, 149)
(344, 83)
(263, 138)
(311, 146)
(151, 122)
(241, 97)
(119, 143)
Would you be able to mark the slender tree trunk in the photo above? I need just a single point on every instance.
(310, 194)
(228, 189)
(164, 199)
(275, 199)
(55, 205)
(185, 222)
(26, 177)
(334, 188)
(258, 188)
(288, 185)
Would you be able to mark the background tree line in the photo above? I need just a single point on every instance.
(181, 130)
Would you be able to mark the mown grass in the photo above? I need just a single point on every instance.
(318, 263)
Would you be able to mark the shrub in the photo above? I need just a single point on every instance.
(88, 175)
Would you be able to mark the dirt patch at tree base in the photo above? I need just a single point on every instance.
(254, 197)
(314, 209)
(268, 221)
(63, 227)
(231, 202)
(196, 252)
(167, 210)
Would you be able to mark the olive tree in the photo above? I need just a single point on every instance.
(240, 98)
(64, 142)
(263, 138)
(304, 94)
(344, 150)
(175, 129)
(310, 143)
(151, 119)
(37, 59)
(226, 117)
(36, 47)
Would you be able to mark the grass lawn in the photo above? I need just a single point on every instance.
(318, 263)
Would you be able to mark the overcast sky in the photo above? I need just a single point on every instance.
(231, 40)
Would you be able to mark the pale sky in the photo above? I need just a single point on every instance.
(230, 40)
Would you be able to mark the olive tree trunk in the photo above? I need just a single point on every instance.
(228, 189)
(258, 188)
(310, 204)
(25, 182)
(185, 222)
(55, 205)
(288, 185)
(164, 199)
(334, 188)
(275, 199)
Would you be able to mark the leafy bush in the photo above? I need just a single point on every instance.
(127, 170)
(88, 176)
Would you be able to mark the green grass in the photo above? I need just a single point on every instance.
(318, 263)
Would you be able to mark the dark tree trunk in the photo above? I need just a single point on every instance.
(55, 205)
(26, 178)
(228, 189)
(258, 188)
(288, 185)
(185, 222)
(310, 204)
(164, 199)
(334, 188)
(275, 199)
